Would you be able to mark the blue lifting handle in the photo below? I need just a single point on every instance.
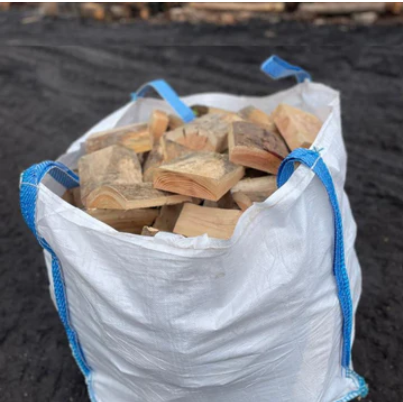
(29, 186)
(314, 161)
(169, 95)
(277, 68)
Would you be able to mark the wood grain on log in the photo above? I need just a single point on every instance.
(248, 191)
(167, 217)
(135, 137)
(255, 147)
(158, 124)
(298, 128)
(131, 221)
(206, 175)
(258, 117)
(132, 197)
(207, 133)
(154, 159)
(195, 220)
(110, 166)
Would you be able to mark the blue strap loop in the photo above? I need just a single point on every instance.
(277, 68)
(169, 95)
(313, 160)
(29, 182)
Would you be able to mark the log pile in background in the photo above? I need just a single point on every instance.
(195, 178)
(319, 12)
(364, 13)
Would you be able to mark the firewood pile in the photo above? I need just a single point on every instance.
(331, 12)
(190, 179)
(218, 13)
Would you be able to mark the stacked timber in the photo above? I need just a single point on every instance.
(191, 179)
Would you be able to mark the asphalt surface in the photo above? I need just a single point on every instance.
(51, 93)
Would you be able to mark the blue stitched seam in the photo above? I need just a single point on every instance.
(313, 160)
(28, 199)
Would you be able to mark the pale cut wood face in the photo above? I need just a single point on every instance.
(131, 221)
(253, 146)
(154, 159)
(205, 175)
(258, 117)
(298, 128)
(196, 220)
(255, 137)
(110, 166)
(136, 137)
(188, 174)
(257, 184)
(167, 217)
(132, 197)
(207, 133)
(158, 124)
(248, 191)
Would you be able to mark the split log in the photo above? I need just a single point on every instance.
(242, 200)
(167, 217)
(135, 137)
(174, 122)
(110, 166)
(73, 197)
(4, 6)
(149, 231)
(195, 220)
(336, 8)
(131, 221)
(248, 191)
(254, 7)
(49, 9)
(154, 159)
(120, 11)
(158, 124)
(93, 10)
(394, 7)
(258, 117)
(172, 150)
(266, 186)
(144, 12)
(133, 196)
(206, 175)
(298, 128)
(207, 133)
(255, 147)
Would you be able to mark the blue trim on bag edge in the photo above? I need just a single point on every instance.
(29, 182)
(313, 160)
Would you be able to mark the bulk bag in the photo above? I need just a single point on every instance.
(267, 315)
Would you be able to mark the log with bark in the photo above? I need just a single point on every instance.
(197, 178)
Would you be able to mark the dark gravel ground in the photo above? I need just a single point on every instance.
(51, 93)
